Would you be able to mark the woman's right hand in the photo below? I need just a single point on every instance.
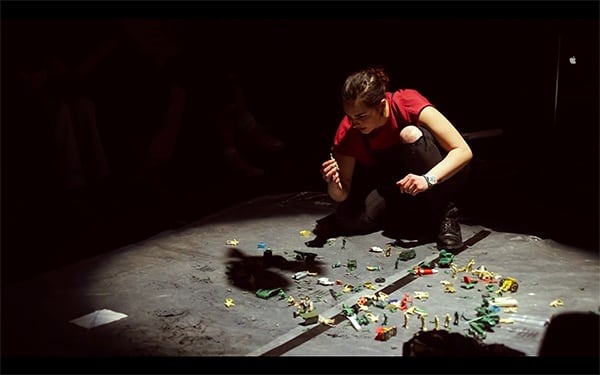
(330, 172)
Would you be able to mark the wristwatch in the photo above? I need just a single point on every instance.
(431, 180)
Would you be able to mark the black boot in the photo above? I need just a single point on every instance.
(450, 237)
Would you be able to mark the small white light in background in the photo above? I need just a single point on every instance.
(572, 60)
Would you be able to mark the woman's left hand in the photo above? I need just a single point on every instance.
(412, 184)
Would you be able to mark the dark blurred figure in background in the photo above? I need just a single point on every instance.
(241, 134)
(53, 153)
(218, 110)
(140, 101)
(60, 142)
(161, 105)
(126, 110)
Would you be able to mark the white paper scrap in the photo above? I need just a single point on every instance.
(97, 318)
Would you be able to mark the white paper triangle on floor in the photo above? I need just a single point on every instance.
(97, 318)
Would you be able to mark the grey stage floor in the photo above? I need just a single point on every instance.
(172, 288)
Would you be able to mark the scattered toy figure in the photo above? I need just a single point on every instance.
(310, 317)
(362, 320)
(304, 306)
(268, 293)
(268, 255)
(447, 321)
(369, 285)
(466, 268)
(329, 322)
(233, 242)
(385, 333)
(299, 275)
(484, 274)
(450, 289)
(416, 310)
(454, 270)
(505, 302)
(376, 249)
(405, 325)
(348, 310)
(229, 302)
(381, 296)
(354, 322)
(372, 318)
(325, 281)
(305, 256)
(381, 304)
(362, 301)
(448, 286)
(436, 321)
(405, 255)
(469, 265)
(423, 327)
(423, 271)
(476, 330)
(446, 259)
(351, 264)
(508, 284)
(421, 295)
(307, 304)
(406, 300)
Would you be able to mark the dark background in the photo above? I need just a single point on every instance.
(485, 65)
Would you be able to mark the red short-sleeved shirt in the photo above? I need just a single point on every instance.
(348, 141)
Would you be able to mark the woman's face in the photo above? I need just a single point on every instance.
(366, 119)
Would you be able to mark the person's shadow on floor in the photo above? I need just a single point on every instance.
(403, 233)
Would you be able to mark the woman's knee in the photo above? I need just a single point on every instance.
(410, 134)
